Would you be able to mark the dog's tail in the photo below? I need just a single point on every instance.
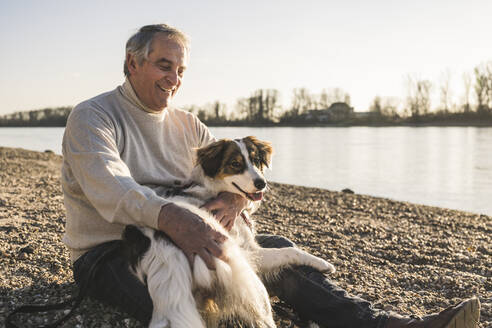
(243, 293)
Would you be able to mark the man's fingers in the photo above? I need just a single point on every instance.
(216, 251)
(226, 222)
(208, 259)
(208, 206)
(229, 225)
(215, 204)
(222, 218)
(218, 237)
(191, 259)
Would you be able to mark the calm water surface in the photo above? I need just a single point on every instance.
(442, 166)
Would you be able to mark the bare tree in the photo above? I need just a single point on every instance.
(481, 88)
(384, 107)
(445, 90)
(219, 111)
(390, 107)
(323, 101)
(467, 82)
(489, 83)
(338, 95)
(418, 99)
(242, 108)
(271, 104)
(301, 102)
(376, 107)
(260, 106)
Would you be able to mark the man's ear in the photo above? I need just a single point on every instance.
(210, 157)
(131, 63)
(265, 150)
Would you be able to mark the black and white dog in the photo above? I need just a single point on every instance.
(185, 297)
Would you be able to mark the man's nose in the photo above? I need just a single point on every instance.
(172, 78)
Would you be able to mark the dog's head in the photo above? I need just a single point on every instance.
(238, 164)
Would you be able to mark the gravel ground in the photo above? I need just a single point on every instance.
(404, 257)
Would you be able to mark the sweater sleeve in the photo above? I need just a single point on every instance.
(91, 152)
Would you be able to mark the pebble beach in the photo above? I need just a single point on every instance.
(403, 257)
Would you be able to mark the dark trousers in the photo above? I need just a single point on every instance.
(308, 291)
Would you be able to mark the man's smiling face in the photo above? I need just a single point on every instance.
(157, 79)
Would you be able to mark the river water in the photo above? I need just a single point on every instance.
(442, 166)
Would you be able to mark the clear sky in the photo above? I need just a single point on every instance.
(57, 53)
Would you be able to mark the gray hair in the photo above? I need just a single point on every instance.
(139, 43)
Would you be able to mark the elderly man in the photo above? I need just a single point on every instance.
(123, 149)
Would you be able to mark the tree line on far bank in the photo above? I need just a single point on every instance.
(329, 107)
(48, 117)
(333, 106)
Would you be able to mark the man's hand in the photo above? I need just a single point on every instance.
(191, 234)
(226, 207)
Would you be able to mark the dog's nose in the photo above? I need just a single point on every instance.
(260, 184)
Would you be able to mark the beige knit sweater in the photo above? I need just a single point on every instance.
(118, 160)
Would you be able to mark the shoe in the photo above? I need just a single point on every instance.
(464, 315)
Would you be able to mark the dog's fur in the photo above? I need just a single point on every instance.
(198, 297)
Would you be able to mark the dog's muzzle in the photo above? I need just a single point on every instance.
(251, 196)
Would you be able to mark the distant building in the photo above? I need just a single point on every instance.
(337, 112)
(340, 111)
(317, 115)
(363, 115)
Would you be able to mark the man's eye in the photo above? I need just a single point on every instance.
(164, 68)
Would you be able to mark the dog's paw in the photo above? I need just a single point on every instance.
(159, 323)
(322, 265)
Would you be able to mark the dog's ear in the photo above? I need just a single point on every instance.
(210, 157)
(265, 150)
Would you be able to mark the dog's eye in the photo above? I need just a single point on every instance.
(235, 164)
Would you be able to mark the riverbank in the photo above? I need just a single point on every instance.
(471, 123)
(401, 256)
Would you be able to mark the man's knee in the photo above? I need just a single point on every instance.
(273, 241)
(113, 283)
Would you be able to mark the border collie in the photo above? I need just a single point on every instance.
(186, 297)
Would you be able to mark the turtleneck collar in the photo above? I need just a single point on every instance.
(130, 93)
